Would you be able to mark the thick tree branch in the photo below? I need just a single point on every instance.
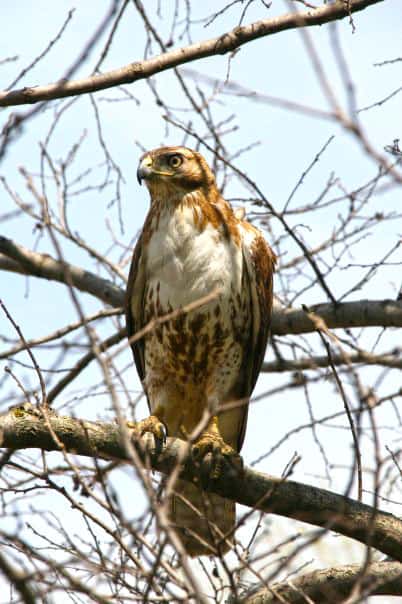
(24, 427)
(363, 313)
(332, 585)
(386, 360)
(199, 50)
(44, 266)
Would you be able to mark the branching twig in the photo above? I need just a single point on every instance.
(228, 42)
(362, 313)
(24, 427)
(332, 585)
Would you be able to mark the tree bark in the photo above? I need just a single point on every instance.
(44, 266)
(332, 585)
(362, 313)
(221, 45)
(25, 427)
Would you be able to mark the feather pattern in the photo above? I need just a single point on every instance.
(192, 245)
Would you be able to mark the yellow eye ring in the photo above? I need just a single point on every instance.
(175, 161)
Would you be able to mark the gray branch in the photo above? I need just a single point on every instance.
(363, 313)
(332, 585)
(24, 427)
(393, 361)
(199, 50)
(27, 262)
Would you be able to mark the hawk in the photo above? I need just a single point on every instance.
(209, 272)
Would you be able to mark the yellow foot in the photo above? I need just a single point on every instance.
(150, 425)
(212, 452)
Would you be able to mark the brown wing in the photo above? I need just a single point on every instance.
(259, 264)
(134, 305)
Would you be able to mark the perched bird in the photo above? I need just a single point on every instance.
(199, 366)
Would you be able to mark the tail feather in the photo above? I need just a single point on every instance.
(204, 521)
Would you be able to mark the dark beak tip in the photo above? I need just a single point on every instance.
(139, 177)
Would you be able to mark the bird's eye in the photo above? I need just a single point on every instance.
(175, 161)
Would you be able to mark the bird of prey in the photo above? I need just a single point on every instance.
(209, 272)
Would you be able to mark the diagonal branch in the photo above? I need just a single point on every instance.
(332, 585)
(19, 580)
(42, 265)
(24, 427)
(199, 50)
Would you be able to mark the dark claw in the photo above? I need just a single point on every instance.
(163, 435)
(196, 452)
(150, 426)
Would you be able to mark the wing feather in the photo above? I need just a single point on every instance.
(134, 305)
(259, 265)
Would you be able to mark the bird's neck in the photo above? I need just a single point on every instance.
(168, 198)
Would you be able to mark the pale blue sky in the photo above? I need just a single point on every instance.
(277, 66)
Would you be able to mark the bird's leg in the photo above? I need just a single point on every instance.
(150, 425)
(210, 450)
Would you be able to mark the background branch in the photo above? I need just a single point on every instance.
(322, 192)
(362, 313)
(228, 42)
(332, 585)
(19, 580)
(46, 267)
(386, 360)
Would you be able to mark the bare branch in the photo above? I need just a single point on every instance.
(43, 265)
(82, 363)
(18, 580)
(362, 313)
(331, 585)
(60, 333)
(25, 427)
(386, 360)
(199, 50)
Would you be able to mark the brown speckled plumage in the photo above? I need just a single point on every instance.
(191, 244)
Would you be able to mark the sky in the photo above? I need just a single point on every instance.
(282, 145)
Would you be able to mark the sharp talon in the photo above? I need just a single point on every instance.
(163, 434)
(210, 451)
(150, 426)
(196, 452)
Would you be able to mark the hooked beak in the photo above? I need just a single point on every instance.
(144, 170)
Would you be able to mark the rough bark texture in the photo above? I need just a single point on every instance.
(24, 427)
(332, 585)
(362, 313)
(44, 266)
(228, 42)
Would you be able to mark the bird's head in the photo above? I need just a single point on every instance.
(174, 171)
